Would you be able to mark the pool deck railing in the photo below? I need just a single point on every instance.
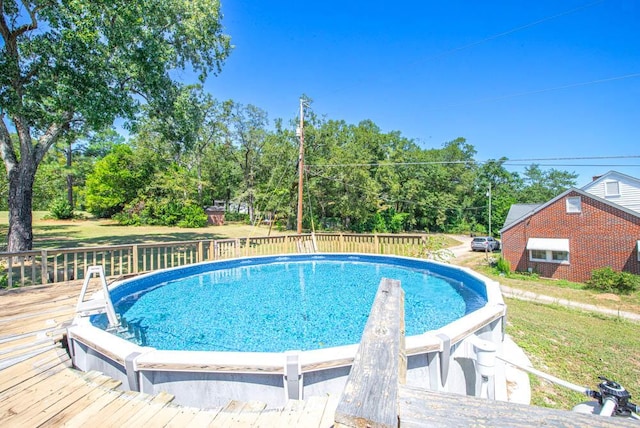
(46, 266)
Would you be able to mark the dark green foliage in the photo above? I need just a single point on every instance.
(193, 216)
(235, 216)
(115, 181)
(163, 213)
(503, 266)
(61, 210)
(607, 280)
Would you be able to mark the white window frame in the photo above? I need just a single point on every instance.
(574, 204)
(638, 249)
(606, 188)
(549, 257)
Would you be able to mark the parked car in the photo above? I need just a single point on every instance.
(485, 243)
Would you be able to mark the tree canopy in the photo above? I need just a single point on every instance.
(72, 66)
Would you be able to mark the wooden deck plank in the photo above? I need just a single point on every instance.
(154, 406)
(82, 415)
(329, 415)
(313, 410)
(129, 409)
(163, 416)
(17, 385)
(40, 396)
(112, 407)
(291, 413)
(44, 410)
(230, 412)
(18, 377)
(28, 377)
(182, 418)
(204, 418)
(70, 411)
(268, 418)
(249, 414)
(420, 408)
(226, 414)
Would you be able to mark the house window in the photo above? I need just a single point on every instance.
(551, 250)
(560, 256)
(539, 255)
(638, 250)
(574, 204)
(612, 188)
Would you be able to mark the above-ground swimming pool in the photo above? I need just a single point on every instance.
(282, 303)
(216, 331)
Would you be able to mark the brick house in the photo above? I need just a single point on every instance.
(578, 231)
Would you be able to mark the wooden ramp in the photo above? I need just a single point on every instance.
(38, 386)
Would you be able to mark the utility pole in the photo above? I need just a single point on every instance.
(489, 195)
(300, 133)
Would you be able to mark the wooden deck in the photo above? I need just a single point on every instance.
(38, 386)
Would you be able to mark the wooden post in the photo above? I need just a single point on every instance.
(135, 258)
(43, 270)
(370, 397)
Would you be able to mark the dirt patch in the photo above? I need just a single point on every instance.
(608, 296)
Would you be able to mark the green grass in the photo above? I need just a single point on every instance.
(560, 289)
(93, 232)
(574, 346)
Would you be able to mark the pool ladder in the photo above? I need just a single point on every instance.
(99, 304)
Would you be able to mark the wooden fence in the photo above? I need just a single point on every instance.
(34, 267)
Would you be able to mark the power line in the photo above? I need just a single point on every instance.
(507, 162)
(540, 91)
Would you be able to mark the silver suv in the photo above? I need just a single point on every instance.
(484, 243)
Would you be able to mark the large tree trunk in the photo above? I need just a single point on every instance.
(20, 237)
(69, 176)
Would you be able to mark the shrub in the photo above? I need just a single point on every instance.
(236, 216)
(60, 209)
(193, 216)
(503, 266)
(607, 280)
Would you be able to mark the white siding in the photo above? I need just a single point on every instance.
(629, 187)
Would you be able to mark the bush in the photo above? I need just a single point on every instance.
(193, 216)
(607, 280)
(236, 216)
(60, 209)
(503, 266)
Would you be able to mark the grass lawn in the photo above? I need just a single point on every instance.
(93, 232)
(569, 344)
(574, 346)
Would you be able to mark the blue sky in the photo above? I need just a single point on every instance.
(526, 80)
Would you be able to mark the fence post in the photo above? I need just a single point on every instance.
(376, 244)
(135, 258)
(44, 269)
(200, 256)
(341, 241)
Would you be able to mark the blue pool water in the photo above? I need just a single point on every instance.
(284, 303)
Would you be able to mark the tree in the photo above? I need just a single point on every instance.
(69, 65)
(247, 131)
(541, 186)
(115, 181)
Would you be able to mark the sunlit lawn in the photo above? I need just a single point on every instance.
(93, 232)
